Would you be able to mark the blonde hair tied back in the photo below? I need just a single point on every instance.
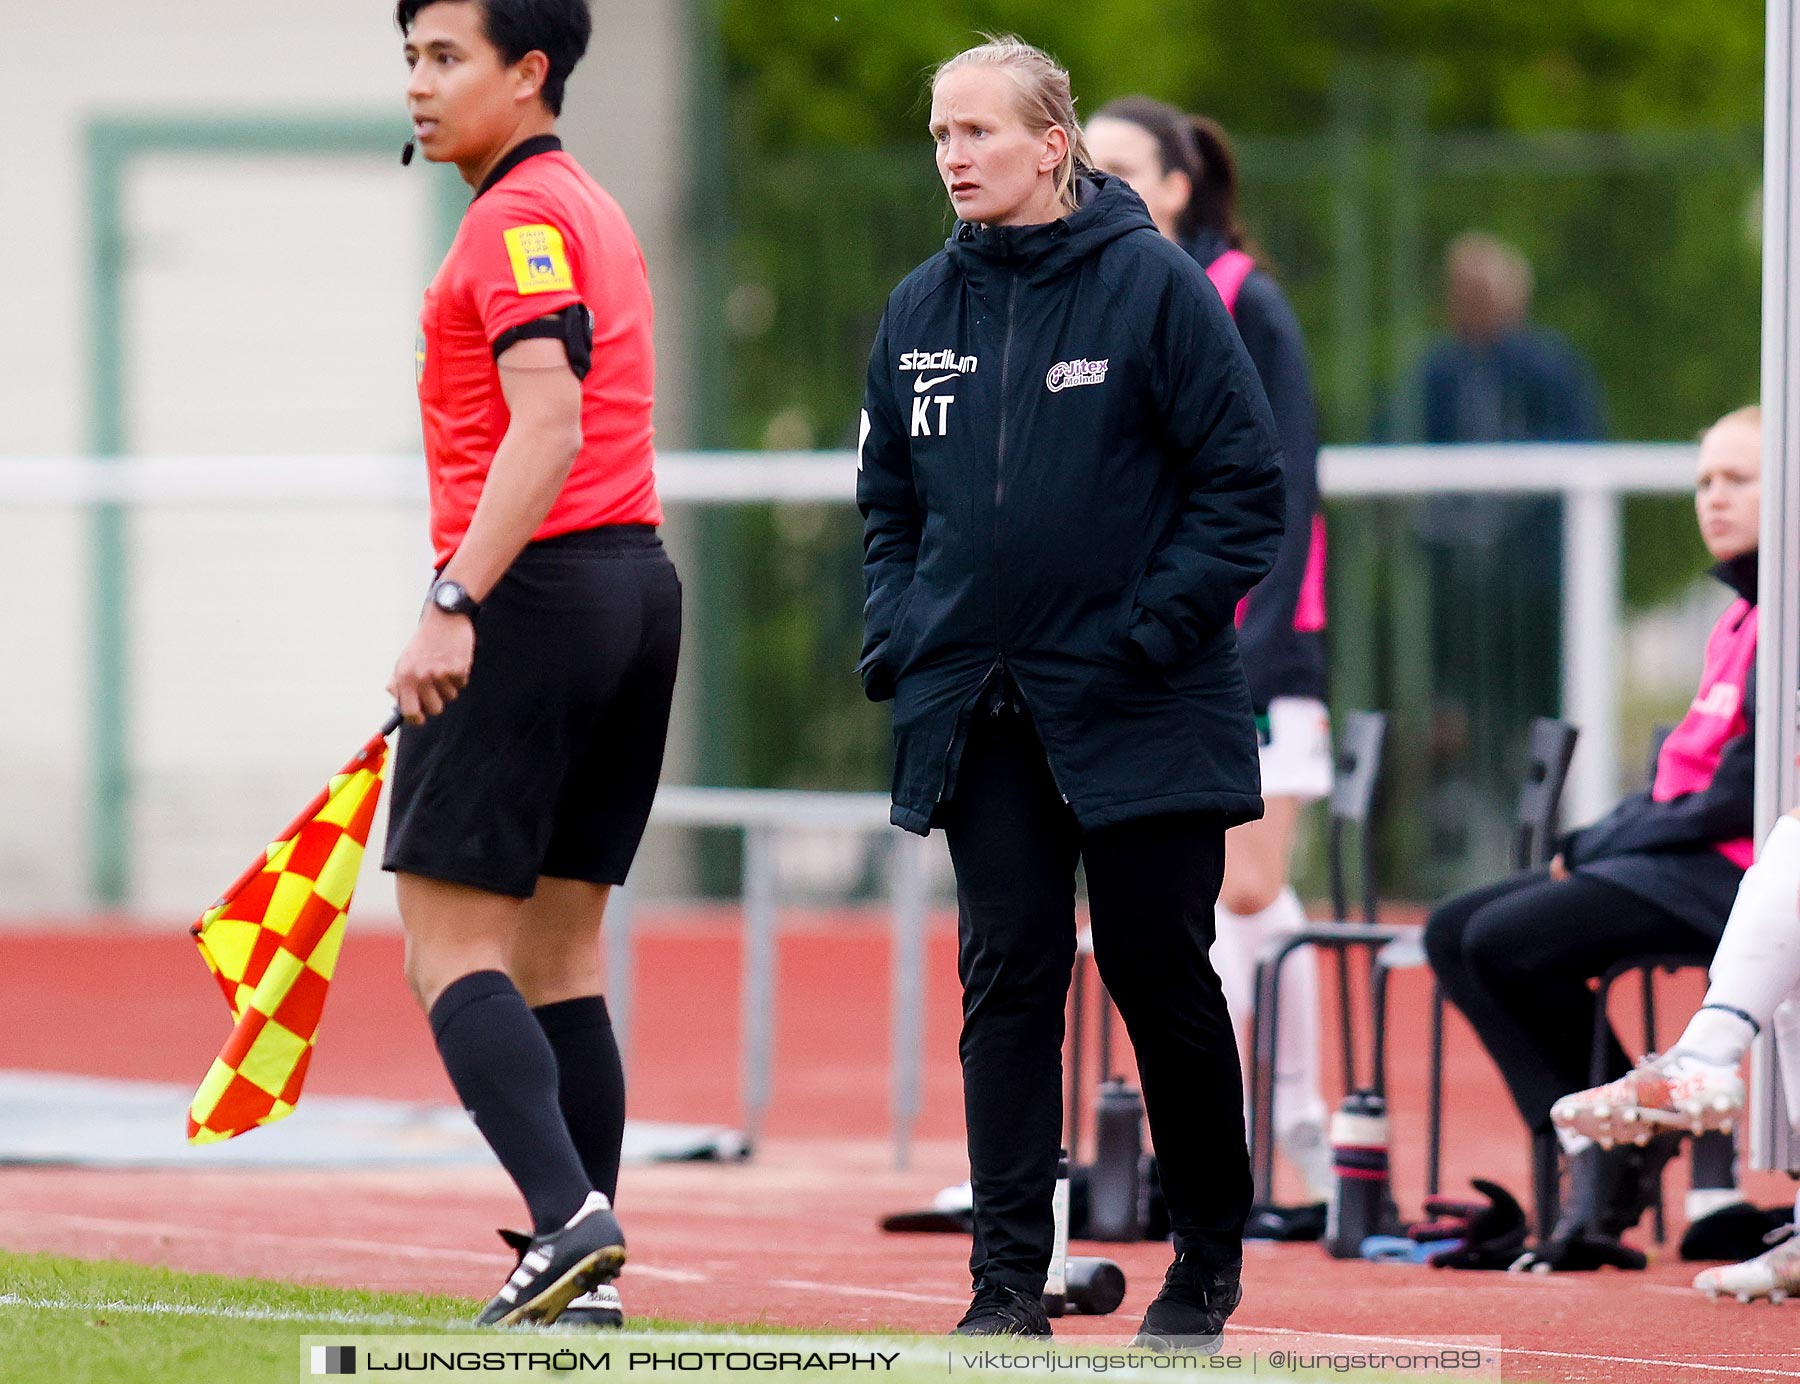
(1044, 98)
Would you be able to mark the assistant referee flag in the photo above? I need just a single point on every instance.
(272, 942)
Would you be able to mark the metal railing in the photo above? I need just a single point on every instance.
(1592, 481)
(761, 815)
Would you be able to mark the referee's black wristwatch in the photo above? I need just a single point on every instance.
(453, 598)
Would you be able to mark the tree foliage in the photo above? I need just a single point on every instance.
(851, 72)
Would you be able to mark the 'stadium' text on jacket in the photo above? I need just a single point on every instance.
(1068, 473)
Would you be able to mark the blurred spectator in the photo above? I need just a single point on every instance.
(1495, 562)
(1497, 378)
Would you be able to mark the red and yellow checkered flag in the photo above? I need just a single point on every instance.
(272, 942)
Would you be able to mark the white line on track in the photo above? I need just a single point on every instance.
(387, 1249)
(846, 1290)
(1506, 1350)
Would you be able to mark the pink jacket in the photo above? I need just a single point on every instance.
(1685, 843)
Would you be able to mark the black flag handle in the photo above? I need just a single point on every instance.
(389, 726)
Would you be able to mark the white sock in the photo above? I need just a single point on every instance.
(1299, 1105)
(1308, 1152)
(1234, 951)
(1719, 1037)
(1757, 964)
(1233, 958)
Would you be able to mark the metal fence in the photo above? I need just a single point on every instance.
(761, 817)
(815, 731)
(318, 496)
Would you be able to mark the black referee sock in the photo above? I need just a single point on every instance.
(592, 1083)
(504, 1071)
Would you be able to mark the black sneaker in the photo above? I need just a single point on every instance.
(1608, 1191)
(1271, 1222)
(1001, 1311)
(1190, 1311)
(555, 1268)
(598, 1309)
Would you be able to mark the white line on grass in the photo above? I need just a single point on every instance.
(254, 1314)
(384, 1248)
(1515, 1350)
(342, 1318)
(390, 1249)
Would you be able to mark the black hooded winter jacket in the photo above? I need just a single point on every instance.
(1068, 474)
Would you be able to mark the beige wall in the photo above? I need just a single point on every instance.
(271, 303)
(61, 65)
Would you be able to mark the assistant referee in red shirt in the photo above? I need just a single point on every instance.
(536, 688)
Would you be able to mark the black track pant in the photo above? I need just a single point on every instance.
(1152, 885)
(1516, 958)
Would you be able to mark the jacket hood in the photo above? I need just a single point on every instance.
(1739, 573)
(1206, 245)
(1109, 209)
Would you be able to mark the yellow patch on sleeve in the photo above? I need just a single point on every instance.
(539, 263)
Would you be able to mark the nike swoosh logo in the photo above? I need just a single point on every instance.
(922, 384)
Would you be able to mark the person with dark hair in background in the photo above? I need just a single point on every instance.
(1184, 169)
(1656, 874)
(536, 688)
(1069, 478)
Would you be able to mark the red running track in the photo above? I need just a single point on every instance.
(789, 1238)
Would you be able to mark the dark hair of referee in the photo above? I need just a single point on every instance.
(558, 29)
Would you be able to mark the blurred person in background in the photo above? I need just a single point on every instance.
(1695, 1087)
(1657, 874)
(1186, 172)
(1069, 478)
(1494, 561)
(1498, 377)
(536, 687)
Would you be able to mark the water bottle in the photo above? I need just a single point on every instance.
(1056, 1281)
(1359, 1166)
(1118, 1147)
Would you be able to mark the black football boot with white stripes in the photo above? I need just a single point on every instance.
(598, 1309)
(556, 1268)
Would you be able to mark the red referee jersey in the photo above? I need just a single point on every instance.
(539, 236)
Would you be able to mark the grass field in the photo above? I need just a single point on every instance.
(68, 1321)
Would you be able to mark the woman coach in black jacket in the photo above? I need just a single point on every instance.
(1069, 478)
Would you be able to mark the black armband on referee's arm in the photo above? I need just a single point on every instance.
(573, 326)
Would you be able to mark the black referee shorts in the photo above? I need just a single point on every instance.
(547, 762)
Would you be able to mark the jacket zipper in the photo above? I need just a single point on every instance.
(962, 715)
(959, 729)
(1012, 298)
(1049, 763)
